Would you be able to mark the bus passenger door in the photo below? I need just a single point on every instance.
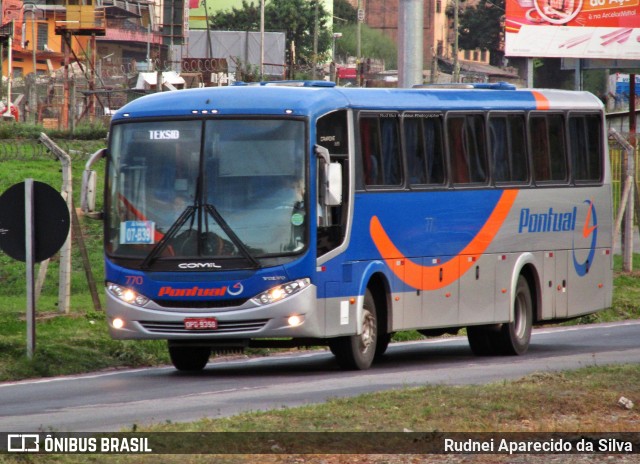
(477, 299)
(440, 298)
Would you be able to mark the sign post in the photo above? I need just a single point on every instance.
(28, 251)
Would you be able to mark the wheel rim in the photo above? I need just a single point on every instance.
(520, 317)
(367, 338)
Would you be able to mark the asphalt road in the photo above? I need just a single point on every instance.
(115, 400)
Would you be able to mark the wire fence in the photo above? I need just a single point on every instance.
(617, 154)
(33, 150)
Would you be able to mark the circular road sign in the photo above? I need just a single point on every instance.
(50, 221)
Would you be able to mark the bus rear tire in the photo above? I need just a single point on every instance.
(189, 358)
(515, 336)
(356, 352)
(510, 338)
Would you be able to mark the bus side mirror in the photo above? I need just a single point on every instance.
(333, 192)
(330, 178)
(89, 182)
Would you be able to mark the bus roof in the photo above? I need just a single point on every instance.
(312, 101)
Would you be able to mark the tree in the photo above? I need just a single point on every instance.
(344, 12)
(297, 18)
(375, 44)
(481, 27)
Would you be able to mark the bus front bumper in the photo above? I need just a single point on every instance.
(294, 317)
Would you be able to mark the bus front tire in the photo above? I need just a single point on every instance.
(510, 338)
(356, 352)
(189, 358)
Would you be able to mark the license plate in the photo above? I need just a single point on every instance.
(201, 323)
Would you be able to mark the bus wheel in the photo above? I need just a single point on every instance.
(482, 339)
(189, 358)
(515, 336)
(357, 351)
(382, 345)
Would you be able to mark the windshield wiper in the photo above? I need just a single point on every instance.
(188, 213)
(232, 235)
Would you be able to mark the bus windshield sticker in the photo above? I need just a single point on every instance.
(137, 232)
(297, 219)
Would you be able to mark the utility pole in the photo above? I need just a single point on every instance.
(359, 41)
(261, 40)
(315, 42)
(410, 43)
(456, 25)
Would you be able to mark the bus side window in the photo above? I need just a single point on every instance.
(508, 148)
(423, 146)
(540, 148)
(467, 148)
(499, 148)
(457, 155)
(476, 148)
(518, 149)
(370, 148)
(586, 152)
(390, 150)
(380, 149)
(435, 153)
(414, 147)
(548, 147)
(558, 145)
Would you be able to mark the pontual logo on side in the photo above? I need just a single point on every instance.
(549, 221)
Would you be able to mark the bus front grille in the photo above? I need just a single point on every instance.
(206, 304)
(223, 327)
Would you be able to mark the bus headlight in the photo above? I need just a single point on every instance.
(281, 291)
(127, 295)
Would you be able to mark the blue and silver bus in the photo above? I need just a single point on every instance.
(306, 214)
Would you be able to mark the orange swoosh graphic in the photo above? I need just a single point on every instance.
(432, 277)
(586, 230)
(542, 102)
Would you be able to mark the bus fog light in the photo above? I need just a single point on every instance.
(117, 323)
(295, 320)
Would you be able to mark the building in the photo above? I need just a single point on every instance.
(438, 36)
(77, 47)
(119, 33)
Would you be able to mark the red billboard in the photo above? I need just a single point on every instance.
(573, 28)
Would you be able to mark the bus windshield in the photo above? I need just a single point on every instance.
(219, 188)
